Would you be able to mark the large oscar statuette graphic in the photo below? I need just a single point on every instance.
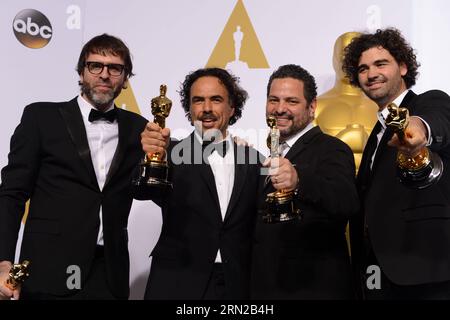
(17, 274)
(420, 171)
(280, 205)
(153, 169)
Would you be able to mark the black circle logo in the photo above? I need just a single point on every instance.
(32, 28)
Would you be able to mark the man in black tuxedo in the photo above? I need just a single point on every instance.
(74, 161)
(208, 217)
(307, 258)
(402, 232)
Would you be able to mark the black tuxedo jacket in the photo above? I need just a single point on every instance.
(50, 164)
(409, 229)
(308, 258)
(193, 230)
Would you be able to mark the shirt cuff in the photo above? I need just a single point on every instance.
(429, 136)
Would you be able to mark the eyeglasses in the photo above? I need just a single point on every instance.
(114, 69)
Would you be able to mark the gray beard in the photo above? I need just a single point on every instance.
(292, 131)
(286, 134)
(98, 99)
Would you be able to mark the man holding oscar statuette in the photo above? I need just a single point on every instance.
(209, 210)
(302, 253)
(74, 161)
(401, 238)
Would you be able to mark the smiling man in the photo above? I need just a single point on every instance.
(404, 232)
(307, 258)
(204, 249)
(74, 161)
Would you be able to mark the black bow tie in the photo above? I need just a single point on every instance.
(220, 147)
(109, 116)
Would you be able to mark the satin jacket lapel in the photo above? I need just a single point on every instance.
(240, 174)
(205, 172)
(381, 149)
(74, 122)
(302, 143)
(125, 127)
(407, 100)
(364, 168)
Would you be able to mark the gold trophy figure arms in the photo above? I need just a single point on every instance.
(280, 205)
(153, 169)
(421, 170)
(160, 106)
(17, 275)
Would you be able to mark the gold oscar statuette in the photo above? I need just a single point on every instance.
(345, 111)
(421, 170)
(17, 274)
(280, 205)
(153, 169)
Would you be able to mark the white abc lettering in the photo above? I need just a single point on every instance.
(45, 32)
(74, 280)
(374, 280)
(74, 19)
(374, 17)
(20, 26)
(32, 28)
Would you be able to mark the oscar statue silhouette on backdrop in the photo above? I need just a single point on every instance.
(237, 64)
(345, 111)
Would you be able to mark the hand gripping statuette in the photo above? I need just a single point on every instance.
(153, 169)
(280, 205)
(17, 274)
(421, 170)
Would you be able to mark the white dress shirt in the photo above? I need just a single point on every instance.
(287, 145)
(103, 138)
(223, 171)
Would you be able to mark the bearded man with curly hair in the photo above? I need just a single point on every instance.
(401, 238)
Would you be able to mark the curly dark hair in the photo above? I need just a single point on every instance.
(103, 44)
(237, 96)
(296, 72)
(391, 40)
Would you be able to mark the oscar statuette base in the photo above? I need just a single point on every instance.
(152, 178)
(280, 207)
(426, 176)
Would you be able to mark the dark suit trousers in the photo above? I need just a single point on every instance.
(94, 288)
(216, 284)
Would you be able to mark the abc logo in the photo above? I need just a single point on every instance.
(32, 28)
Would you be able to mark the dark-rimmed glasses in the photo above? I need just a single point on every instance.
(114, 69)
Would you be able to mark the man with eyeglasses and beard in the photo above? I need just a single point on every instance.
(74, 161)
